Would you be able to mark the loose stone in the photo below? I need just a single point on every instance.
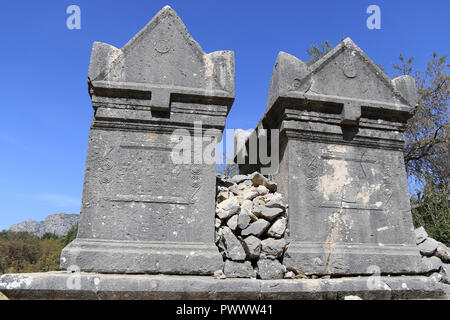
(245, 184)
(431, 264)
(445, 272)
(233, 247)
(272, 248)
(267, 213)
(442, 252)
(252, 247)
(258, 179)
(270, 269)
(227, 208)
(219, 274)
(232, 222)
(256, 228)
(289, 275)
(259, 201)
(275, 200)
(249, 194)
(243, 220)
(234, 189)
(223, 195)
(247, 207)
(428, 247)
(239, 178)
(278, 228)
(421, 235)
(262, 190)
(233, 269)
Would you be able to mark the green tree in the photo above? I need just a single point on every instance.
(49, 235)
(430, 209)
(18, 251)
(318, 51)
(50, 252)
(25, 252)
(70, 236)
(427, 133)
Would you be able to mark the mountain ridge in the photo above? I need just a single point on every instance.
(59, 224)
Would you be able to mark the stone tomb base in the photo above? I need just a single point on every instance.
(142, 257)
(67, 285)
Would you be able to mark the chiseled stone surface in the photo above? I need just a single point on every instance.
(341, 167)
(270, 269)
(141, 212)
(238, 269)
(54, 285)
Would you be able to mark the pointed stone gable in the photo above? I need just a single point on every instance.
(161, 61)
(344, 76)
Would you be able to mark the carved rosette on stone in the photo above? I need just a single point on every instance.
(141, 212)
(341, 124)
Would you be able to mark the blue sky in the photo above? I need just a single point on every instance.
(46, 110)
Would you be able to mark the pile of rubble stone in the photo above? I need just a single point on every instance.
(435, 256)
(251, 222)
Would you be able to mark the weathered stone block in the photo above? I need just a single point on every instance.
(234, 269)
(270, 269)
(428, 247)
(341, 123)
(141, 211)
(53, 285)
(431, 264)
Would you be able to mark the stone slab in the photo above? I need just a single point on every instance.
(142, 257)
(55, 285)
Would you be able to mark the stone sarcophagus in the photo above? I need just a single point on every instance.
(341, 123)
(143, 212)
